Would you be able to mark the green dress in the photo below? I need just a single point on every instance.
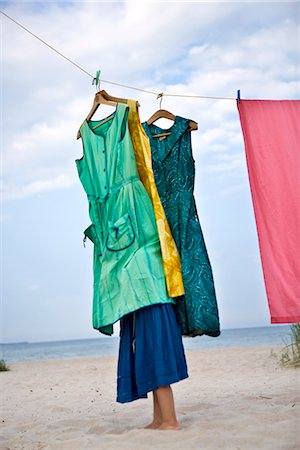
(128, 268)
(174, 171)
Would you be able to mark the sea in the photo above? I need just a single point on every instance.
(103, 346)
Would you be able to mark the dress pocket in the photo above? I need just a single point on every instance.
(120, 234)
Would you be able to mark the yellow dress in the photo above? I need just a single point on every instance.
(142, 151)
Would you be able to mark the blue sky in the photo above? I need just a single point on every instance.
(199, 48)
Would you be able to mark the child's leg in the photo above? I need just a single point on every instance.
(167, 408)
(164, 416)
(157, 417)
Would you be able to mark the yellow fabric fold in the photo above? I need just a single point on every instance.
(142, 151)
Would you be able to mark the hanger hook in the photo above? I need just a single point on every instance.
(161, 97)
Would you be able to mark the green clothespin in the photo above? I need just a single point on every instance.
(96, 80)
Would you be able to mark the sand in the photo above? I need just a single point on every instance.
(233, 399)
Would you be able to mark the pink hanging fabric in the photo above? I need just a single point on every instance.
(271, 130)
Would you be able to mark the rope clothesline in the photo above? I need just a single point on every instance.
(158, 95)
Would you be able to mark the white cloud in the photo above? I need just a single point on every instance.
(227, 163)
(61, 181)
(233, 189)
(178, 48)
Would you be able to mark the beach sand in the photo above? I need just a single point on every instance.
(234, 398)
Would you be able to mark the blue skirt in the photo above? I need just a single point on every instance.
(151, 352)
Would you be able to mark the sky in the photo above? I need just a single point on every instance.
(193, 48)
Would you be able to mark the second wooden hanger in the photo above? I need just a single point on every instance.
(164, 114)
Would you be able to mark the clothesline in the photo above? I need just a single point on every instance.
(158, 94)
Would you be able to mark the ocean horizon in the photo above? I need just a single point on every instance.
(109, 346)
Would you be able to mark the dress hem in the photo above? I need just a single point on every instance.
(161, 380)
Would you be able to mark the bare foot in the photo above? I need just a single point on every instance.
(153, 425)
(167, 426)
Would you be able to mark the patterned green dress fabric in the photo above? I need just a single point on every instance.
(174, 172)
(128, 268)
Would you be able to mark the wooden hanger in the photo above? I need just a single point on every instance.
(163, 113)
(103, 98)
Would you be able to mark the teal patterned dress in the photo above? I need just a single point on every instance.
(174, 171)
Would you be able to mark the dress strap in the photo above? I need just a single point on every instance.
(121, 120)
(181, 125)
(132, 105)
